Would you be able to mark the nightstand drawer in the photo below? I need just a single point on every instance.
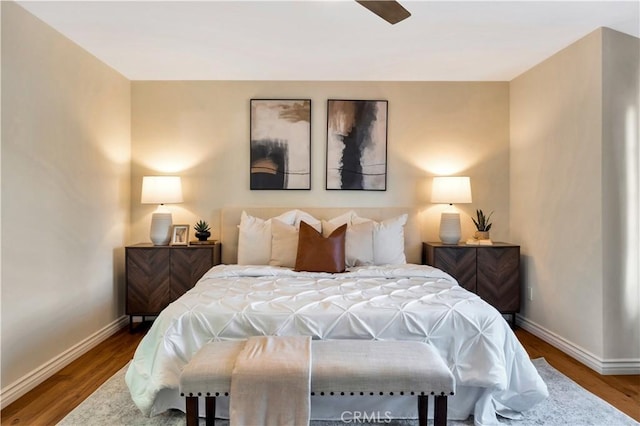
(492, 272)
(158, 275)
(458, 262)
(498, 271)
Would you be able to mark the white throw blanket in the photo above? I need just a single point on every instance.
(271, 382)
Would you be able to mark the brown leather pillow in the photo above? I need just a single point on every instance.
(319, 254)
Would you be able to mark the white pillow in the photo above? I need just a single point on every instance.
(284, 243)
(254, 238)
(336, 222)
(300, 216)
(359, 244)
(358, 240)
(388, 239)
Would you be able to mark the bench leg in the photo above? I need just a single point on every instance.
(192, 410)
(210, 407)
(423, 408)
(440, 411)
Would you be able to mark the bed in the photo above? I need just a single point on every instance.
(384, 294)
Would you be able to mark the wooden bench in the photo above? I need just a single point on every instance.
(338, 367)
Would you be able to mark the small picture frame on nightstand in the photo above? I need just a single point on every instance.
(180, 235)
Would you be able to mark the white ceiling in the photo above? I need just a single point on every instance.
(328, 40)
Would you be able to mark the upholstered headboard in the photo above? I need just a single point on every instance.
(231, 219)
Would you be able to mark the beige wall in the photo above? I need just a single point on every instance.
(65, 170)
(200, 130)
(621, 195)
(556, 190)
(564, 174)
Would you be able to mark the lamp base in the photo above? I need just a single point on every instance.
(160, 232)
(450, 232)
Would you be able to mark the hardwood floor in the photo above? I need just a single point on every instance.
(52, 400)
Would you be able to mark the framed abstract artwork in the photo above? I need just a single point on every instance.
(280, 144)
(357, 145)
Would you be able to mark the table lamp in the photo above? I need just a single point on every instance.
(450, 190)
(161, 190)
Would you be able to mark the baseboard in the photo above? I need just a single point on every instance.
(601, 366)
(620, 367)
(30, 380)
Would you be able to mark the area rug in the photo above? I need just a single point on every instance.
(568, 404)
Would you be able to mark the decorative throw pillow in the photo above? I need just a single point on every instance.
(254, 238)
(301, 215)
(359, 244)
(319, 254)
(284, 243)
(328, 226)
(388, 239)
(358, 241)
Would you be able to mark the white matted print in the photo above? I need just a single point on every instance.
(357, 144)
(180, 235)
(280, 144)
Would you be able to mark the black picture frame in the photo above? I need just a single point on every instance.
(280, 144)
(356, 156)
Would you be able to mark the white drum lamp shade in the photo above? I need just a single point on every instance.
(161, 190)
(451, 190)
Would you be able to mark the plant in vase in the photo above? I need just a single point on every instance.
(202, 230)
(483, 225)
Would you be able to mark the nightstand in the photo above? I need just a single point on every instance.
(492, 272)
(158, 275)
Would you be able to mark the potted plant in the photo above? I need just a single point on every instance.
(202, 230)
(483, 225)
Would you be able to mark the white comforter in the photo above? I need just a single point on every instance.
(403, 302)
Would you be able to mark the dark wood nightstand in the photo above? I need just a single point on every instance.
(492, 272)
(158, 275)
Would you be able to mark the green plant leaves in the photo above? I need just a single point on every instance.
(482, 222)
(201, 226)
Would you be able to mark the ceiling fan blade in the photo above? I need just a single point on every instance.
(389, 10)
